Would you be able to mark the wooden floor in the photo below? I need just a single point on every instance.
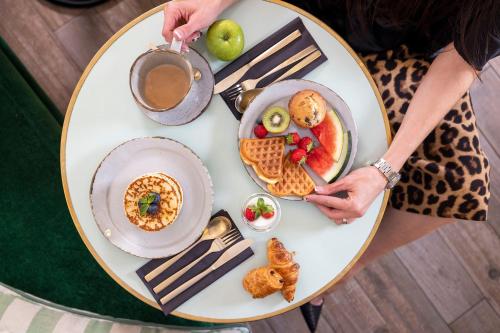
(448, 281)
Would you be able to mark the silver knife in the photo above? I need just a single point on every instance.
(229, 254)
(234, 77)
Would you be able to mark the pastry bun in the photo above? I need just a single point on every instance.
(307, 108)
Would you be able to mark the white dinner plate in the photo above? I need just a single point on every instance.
(278, 94)
(133, 159)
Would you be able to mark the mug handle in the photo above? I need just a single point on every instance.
(176, 45)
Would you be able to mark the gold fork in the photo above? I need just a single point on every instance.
(235, 90)
(218, 244)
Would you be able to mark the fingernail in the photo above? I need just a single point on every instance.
(305, 199)
(317, 188)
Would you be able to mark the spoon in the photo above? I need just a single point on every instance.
(217, 227)
(243, 100)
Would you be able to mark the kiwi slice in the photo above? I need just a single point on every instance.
(276, 119)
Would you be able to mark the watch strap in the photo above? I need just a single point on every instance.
(386, 169)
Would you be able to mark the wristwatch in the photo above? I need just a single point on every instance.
(385, 168)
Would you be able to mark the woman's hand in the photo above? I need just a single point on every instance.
(362, 186)
(185, 18)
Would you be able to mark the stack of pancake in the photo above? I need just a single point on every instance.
(169, 205)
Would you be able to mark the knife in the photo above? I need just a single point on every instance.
(303, 63)
(229, 254)
(234, 77)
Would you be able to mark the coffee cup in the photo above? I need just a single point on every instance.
(161, 78)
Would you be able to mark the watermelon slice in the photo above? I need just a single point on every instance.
(329, 159)
(320, 161)
(341, 164)
(323, 164)
(330, 134)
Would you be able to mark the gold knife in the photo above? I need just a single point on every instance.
(234, 77)
(303, 63)
(229, 254)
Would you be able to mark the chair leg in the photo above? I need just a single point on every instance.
(311, 313)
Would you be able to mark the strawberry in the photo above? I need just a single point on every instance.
(249, 214)
(298, 156)
(306, 143)
(260, 131)
(292, 138)
(268, 215)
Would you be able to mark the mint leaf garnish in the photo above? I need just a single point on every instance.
(260, 203)
(150, 198)
(145, 202)
(143, 208)
(267, 209)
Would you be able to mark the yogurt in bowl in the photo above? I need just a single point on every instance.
(261, 212)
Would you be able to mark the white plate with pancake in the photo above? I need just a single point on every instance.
(279, 94)
(186, 176)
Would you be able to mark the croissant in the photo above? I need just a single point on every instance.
(262, 281)
(282, 261)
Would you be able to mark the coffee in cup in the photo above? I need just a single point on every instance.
(161, 78)
(165, 86)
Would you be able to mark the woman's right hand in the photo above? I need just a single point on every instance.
(183, 19)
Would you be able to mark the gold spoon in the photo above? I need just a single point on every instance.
(243, 100)
(217, 227)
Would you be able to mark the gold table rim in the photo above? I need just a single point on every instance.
(99, 260)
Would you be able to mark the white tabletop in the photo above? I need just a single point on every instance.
(102, 114)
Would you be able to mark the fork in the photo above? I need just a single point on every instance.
(235, 90)
(218, 244)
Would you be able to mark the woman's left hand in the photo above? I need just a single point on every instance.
(362, 186)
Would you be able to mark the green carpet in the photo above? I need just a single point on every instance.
(40, 250)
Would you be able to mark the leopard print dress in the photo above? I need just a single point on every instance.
(448, 175)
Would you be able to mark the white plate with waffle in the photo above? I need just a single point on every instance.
(151, 197)
(266, 160)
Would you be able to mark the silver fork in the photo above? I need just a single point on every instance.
(218, 244)
(235, 90)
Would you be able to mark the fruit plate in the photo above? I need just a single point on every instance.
(278, 94)
(133, 159)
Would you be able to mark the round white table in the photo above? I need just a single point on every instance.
(102, 114)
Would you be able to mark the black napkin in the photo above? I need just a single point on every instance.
(274, 60)
(192, 255)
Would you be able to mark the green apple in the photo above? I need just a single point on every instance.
(225, 39)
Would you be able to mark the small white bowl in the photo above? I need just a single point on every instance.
(260, 224)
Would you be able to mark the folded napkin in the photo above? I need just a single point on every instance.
(192, 255)
(272, 61)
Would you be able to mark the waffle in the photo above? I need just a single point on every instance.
(170, 204)
(295, 181)
(265, 156)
